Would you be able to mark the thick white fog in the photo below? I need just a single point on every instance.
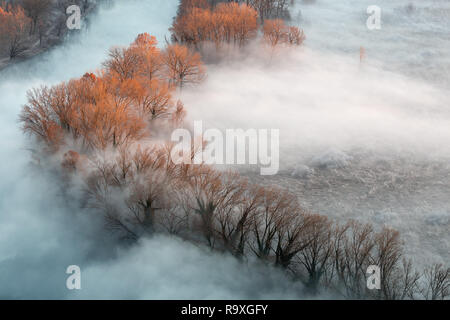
(41, 234)
(368, 141)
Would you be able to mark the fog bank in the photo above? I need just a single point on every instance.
(43, 231)
(365, 140)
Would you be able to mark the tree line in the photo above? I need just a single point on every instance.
(110, 129)
(115, 106)
(236, 23)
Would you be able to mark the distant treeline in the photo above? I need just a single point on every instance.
(233, 22)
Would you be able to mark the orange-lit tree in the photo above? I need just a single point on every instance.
(226, 23)
(100, 127)
(114, 107)
(183, 65)
(14, 26)
(277, 33)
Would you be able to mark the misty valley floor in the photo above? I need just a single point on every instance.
(410, 197)
(317, 98)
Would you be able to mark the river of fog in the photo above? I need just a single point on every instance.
(41, 234)
(368, 141)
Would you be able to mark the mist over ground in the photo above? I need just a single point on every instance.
(41, 233)
(368, 141)
(357, 140)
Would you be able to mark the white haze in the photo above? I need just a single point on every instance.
(393, 109)
(41, 233)
(367, 140)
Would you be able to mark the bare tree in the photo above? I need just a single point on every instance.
(437, 283)
(354, 258)
(36, 10)
(13, 30)
(270, 218)
(183, 65)
(236, 214)
(316, 256)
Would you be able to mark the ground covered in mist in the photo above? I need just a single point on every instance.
(358, 140)
(367, 141)
(368, 144)
(41, 233)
